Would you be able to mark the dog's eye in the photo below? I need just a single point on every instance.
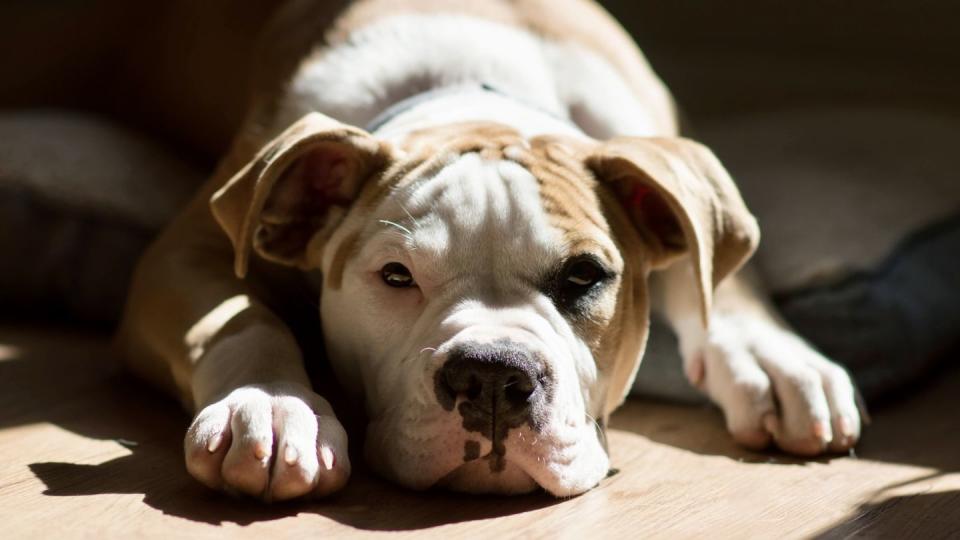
(580, 279)
(397, 275)
(583, 274)
(574, 285)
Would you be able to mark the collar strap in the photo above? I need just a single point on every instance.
(406, 104)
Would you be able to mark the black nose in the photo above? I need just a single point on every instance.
(501, 386)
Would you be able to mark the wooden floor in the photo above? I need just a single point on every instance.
(87, 451)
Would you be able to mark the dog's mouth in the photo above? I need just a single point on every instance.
(564, 459)
(562, 463)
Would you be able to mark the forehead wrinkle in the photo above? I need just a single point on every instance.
(585, 206)
(571, 194)
(490, 211)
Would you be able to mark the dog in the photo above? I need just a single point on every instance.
(489, 198)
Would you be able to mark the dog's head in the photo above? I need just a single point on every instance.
(486, 294)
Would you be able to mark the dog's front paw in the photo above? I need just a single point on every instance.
(268, 442)
(772, 386)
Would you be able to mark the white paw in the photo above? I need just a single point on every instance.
(772, 386)
(268, 442)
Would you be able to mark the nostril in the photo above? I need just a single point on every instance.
(474, 388)
(444, 389)
(518, 389)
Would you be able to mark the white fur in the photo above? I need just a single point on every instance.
(477, 241)
(404, 55)
(771, 385)
(471, 103)
(231, 442)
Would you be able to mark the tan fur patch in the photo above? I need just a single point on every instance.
(347, 248)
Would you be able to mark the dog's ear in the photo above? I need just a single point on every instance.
(682, 201)
(296, 190)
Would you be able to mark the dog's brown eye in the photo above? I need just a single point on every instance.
(584, 273)
(576, 283)
(397, 275)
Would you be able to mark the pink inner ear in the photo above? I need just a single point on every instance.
(326, 171)
(650, 211)
(638, 194)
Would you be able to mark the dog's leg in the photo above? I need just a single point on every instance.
(771, 384)
(190, 324)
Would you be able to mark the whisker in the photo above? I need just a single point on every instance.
(400, 234)
(600, 430)
(408, 234)
(409, 215)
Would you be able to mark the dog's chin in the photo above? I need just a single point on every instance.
(477, 477)
(564, 460)
(562, 471)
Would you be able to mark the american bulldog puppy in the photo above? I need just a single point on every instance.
(489, 197)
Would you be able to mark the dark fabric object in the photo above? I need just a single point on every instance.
(80, 198)
(661, 373)
(61, 265)
(891, 325)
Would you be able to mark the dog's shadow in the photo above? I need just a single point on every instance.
(87, 393)
(367, 502)
(155, 468)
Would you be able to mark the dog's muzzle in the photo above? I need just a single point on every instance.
(499, 386)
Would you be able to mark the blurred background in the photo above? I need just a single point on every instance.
(718, 57)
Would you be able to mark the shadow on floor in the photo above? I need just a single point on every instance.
(930, 515)
(916, 427)
(74, 383)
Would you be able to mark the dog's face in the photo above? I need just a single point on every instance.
(485, 294)
(470, 315)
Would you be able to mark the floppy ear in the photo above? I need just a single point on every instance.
(296, 190)
(681, 201)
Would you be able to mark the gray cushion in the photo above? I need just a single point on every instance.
(79, 200)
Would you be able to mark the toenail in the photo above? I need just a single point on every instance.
(214, 443)
(326, 457)
(820, 430)
(844, 426)
(260, 451)
(290, 455)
